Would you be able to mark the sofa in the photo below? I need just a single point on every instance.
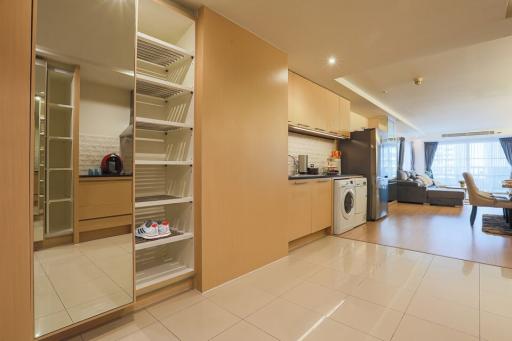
(416, 189)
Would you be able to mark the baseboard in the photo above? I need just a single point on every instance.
(300, 242)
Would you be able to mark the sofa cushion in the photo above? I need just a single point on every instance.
(402, 175)
(443, 192)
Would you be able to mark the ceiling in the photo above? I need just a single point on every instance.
(98, 35)
(382, 45)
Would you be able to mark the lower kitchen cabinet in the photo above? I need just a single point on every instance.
(321, 204)
(309, 207)
(299, 209)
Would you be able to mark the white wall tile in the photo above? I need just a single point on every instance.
(93, 148)
(318, 149)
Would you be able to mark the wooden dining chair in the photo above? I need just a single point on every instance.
(478, 198)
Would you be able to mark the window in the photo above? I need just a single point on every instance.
(389, 159)
(482, 158)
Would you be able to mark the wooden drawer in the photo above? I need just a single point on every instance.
(104, 198)
(104, 223)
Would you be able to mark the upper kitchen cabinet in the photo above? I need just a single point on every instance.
(342, 122)
(313, 107)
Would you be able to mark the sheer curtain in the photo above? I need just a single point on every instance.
(482, 158)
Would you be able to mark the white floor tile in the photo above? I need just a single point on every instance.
(201, 321)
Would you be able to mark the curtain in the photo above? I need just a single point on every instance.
(413, 157)
(401, 152)
(506, 144)
(430, 152)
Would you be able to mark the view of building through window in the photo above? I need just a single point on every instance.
(482, 158)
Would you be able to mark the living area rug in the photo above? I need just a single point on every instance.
(495, 224)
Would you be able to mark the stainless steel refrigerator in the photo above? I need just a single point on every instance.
(362, 154)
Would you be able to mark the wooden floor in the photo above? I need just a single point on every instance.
(443, 231)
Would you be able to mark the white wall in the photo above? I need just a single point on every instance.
(104, 115)
(104, 110)
(357, 122)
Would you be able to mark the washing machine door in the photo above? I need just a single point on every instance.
(348, 203)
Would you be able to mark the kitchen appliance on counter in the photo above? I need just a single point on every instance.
(362, 154)
(303, 164)
(313, 170)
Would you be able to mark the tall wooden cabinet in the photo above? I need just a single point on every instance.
(313, 107)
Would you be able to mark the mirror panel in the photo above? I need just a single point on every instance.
(83, 160)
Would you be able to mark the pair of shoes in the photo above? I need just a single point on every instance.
(153, 229)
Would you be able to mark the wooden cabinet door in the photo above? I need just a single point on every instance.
(321, 204)
(292, 101)
(302, 101)
(343, 125)
(299, 209)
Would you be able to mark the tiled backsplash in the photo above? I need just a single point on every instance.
(317, 149)
(94, 148)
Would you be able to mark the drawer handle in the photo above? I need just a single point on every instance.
(327, 180)
(300, 182)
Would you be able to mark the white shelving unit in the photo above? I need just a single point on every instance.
(164, 150)
(59, 152)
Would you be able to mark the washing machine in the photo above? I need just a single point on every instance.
(349, 203)
(361, 201)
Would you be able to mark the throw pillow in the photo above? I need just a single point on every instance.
(402, 175)
(426, 180)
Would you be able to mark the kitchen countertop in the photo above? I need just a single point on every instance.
(321, 176)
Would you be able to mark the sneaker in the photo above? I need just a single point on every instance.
(163, 228)
(148, 230)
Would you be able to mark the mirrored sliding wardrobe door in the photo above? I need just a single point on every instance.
(83, 160)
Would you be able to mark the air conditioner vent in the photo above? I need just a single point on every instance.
(471, 133)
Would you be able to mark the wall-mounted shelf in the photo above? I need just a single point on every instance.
(160, 200)
(141, 244)
(155, 87)
(163, 163)
(159, 125)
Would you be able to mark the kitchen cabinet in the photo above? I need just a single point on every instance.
(314, 107)
(321, 204)
(299, 209)
(309, 207)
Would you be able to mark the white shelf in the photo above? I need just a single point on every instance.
(62, 106)
(163, 163)
(163, 241)
(146, 139)
(159, 52)
(59, 200)
(160, 200)
(161, 275)
(155, 87)
(160, 125)
(60, 138)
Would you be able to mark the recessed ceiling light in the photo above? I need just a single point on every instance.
(331, 60)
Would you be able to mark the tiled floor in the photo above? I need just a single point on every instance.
(74, 282)
(337, 289)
